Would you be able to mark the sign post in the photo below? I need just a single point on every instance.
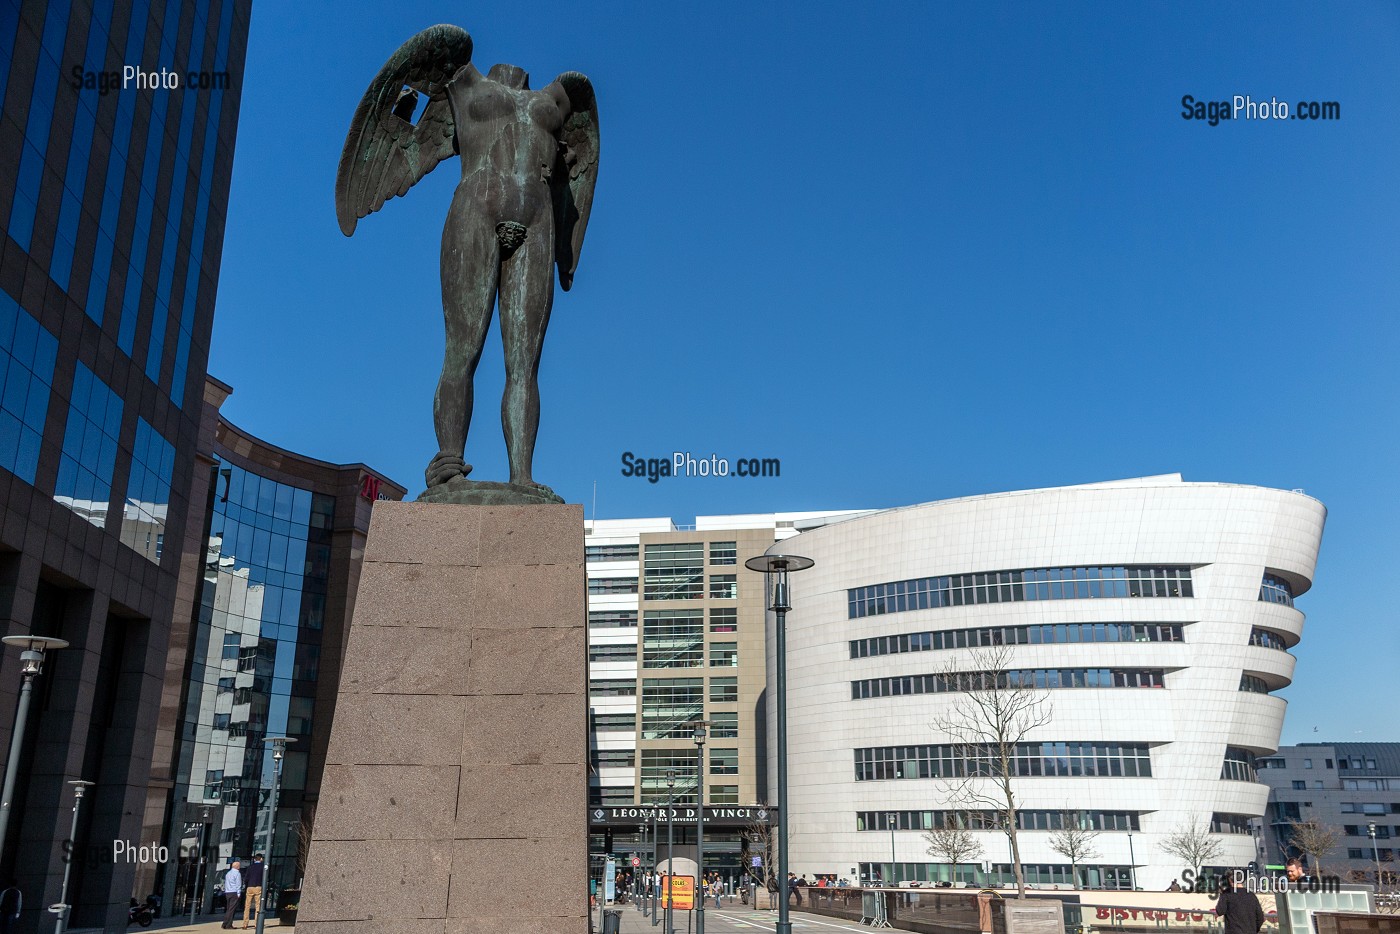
(609, 881)
(678, 892)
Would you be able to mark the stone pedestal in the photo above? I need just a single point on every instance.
(455, 790)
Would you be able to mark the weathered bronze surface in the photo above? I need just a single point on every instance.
(529, 165)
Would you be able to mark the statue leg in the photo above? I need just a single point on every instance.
(470, 266)
(527, 293)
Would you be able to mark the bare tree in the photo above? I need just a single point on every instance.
(1074, 842)
(762, 839)
(994, 711)
(308, 819)
(1313, 839)
(1193, 844)
(953, 843)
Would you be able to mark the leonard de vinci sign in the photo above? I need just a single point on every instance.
(717, 815)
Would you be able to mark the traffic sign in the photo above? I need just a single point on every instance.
(636, 861)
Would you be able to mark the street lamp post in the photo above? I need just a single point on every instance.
(197, 881)
(698, 735)
(670, 866)
(1132, 864)
(775, 570)
(279, 750)
(80, 787)
(1375, 853)
(889, 822)
(31, 662)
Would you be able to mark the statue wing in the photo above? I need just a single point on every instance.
(575, 174)
(385, 154)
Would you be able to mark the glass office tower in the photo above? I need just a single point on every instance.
(112, 205)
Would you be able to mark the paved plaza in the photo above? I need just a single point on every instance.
(733, 918)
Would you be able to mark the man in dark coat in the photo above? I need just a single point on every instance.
(1240, 910)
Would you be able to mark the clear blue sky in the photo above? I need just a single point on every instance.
(914, 250)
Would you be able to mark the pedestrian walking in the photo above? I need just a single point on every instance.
(717, 889)
(11, 904)
(1239, 909)
(233, 888)
(253, 896)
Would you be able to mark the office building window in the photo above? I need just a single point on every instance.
(27, 354)
(1015, 586)
(674, 572)
(1030, 760)
(724, 619)
(724, 761)
(938, 640)
(614, 722)
(612, 687)
(673, 638)
(623, 652)
(1267, 639)
(1038, 678)
(614, 758)
(724, 553)
(613, 796)
(669, 705)
(1276, 590)
(724, 586)
(612, 619)
(993, 820)
(597, 553)
(1255, 685)
(1230, 823)
(148, 492)
(724, 655)
(89, 455)
(723, 794)
(724, 724)
(1239, 765)
(681, 765)
(612, 585)
(724, 690)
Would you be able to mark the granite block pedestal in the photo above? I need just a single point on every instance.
(458, 752)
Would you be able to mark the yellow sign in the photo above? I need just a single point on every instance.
(678, 892)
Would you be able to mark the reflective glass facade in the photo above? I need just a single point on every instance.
(27, 353)
(113, 201)
(84, 482)
(255, 660)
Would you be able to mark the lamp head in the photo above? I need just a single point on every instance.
(31, 656)
(279, 746)
(698, 733)
(80, 787)
(775, 569)
(670, 778)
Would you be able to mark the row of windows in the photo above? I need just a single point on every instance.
(1384, 854)
(1230, 823)
(1015, 635)
(1253, 684)
(1276, 590)
(592, 553)
(1370, 807)
(1266, 639)
(612, 585)
(614, 722)
(1030, 759)
(994, 820)
(673, 639)
(669, 586)
(612, 619)
(27, 355)
(674, 571)
(670, 704)
(613, 758)
(1040, 678)
(1364, 830)
(626, 652)
(679, 766)
(1015, 586)
(1090, 876)
(1239, 765)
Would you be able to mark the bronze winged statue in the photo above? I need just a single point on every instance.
(529, 164)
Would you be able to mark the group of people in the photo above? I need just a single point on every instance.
(245, 886)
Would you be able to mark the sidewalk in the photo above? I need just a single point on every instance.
(733, 918)
(203, 924)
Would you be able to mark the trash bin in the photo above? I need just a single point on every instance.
(612, 921)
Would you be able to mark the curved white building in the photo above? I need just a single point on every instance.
(1156, 613)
